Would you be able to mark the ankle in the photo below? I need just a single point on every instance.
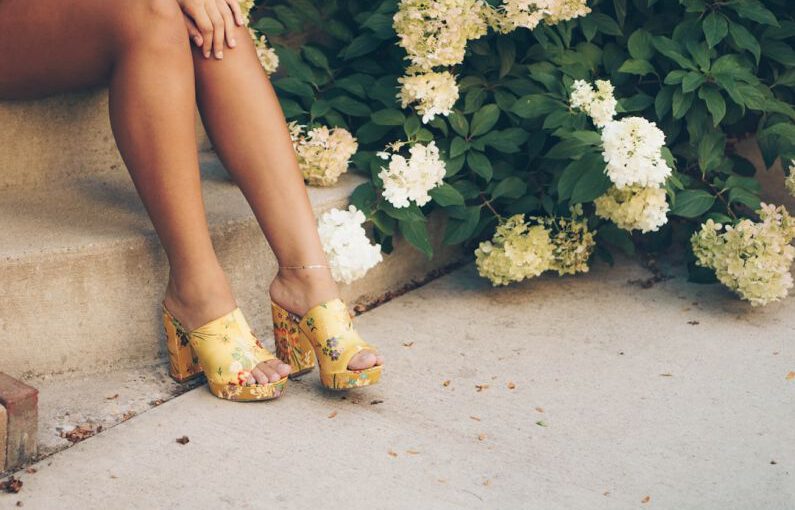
(196, 301)
(299, 290)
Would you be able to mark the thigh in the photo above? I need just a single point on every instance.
(50, 46)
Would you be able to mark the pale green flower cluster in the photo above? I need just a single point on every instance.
(634, 207)
(267, 55)
(751, 258)
(323, 154)
(513, 14)
(435, 32)
(517, 251)
(573, 243)
(523, 249)
(790, 180)
(245, 8)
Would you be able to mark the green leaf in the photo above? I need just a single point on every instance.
(388, 117)
(510, 187)
(574, 172)
(663, 101)
(636, 103)
(291, 108)
(692, 203)
(506, 49)
(638, 67)
(294, 86)
(412, 125)
(617, 237)
(675, 77)
(459, 123)
(671, 49)
(681, 103)
(319, 108)
(746, 197)
(605, 24)
(744, 39)
(640, 45)
(446, 195)
(370, 132)
(269, 26)
(460, 228)
(484, 119)
(753, 10)
(359, 46)
(416, 233)
(315, 57)
(364, 197)
(534, 106)
(715, 103)
(480, 164)
(692, 81)
(715, 28)
(349, 106)
(593, 183)
(409, 214)
(711, 149)
(458, 147)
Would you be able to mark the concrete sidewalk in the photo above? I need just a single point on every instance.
(576, 393)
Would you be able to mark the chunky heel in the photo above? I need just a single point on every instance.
(291, 346)
(226, 350)
(183, 362)
(327, 329)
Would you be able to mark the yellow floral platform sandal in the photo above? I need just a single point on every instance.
(226, 350)
(326, 335)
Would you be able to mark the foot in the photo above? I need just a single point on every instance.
(297, 291)
(198, 303)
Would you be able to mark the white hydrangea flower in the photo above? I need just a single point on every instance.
(599, 104)
(513, 14)
(434, 93)
(348, 249)
(436, 32)
(634, 207)
(632, 152)
(323, 154)
(789, 183)
(410, 179)
(753, 259)
(267, 55)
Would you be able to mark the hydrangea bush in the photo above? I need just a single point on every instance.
(546, 131)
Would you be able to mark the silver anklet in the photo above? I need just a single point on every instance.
(309, 266)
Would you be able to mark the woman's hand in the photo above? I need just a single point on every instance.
(211, 22)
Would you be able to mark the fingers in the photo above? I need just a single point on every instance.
(235, 6)
(205, 26)
(229, 22)
(218, 28)
(193, 31)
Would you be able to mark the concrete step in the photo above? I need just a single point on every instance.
(49, 142)
(82, 272)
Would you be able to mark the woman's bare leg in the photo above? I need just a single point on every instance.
(141, 51)
(247, 127)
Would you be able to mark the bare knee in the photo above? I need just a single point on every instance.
(157, 25)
